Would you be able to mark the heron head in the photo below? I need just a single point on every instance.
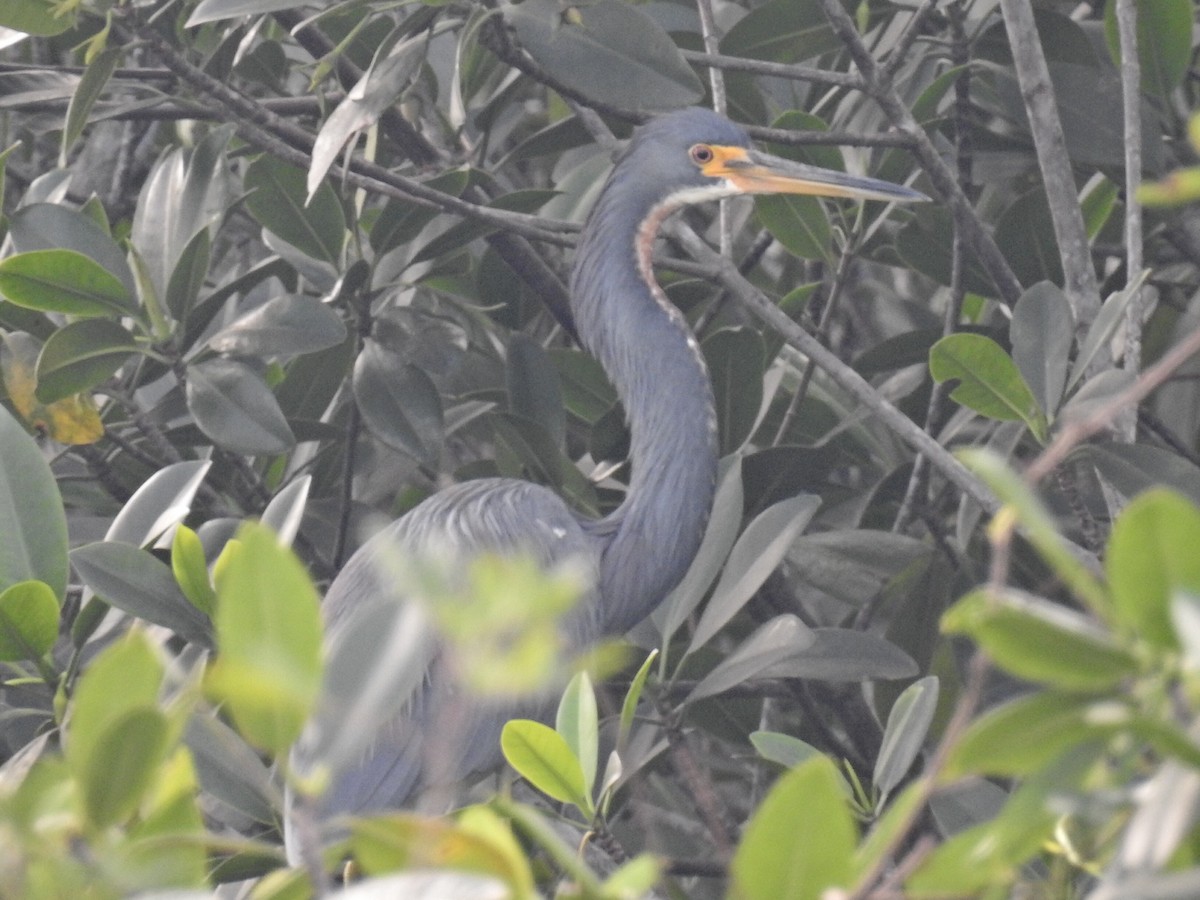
(696, 154)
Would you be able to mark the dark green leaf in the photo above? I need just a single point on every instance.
(735, 366)
(63, 281)
(399, 403)
(91, 86)
(80, 356)
(533, 389)
(1042, 332)
(782, 31)
(772, 643)
(904, 736)
(33, 527)
(758, 551)
(842, 654)
(236, 410)
(277, 201)
(50, 226)
(134, 581)
(610, 51)
(287, 325)
(799, 223)
(853, 565)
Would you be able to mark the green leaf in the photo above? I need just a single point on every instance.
(33, 526)
(236, 410)
(87, 92)
(544, 758)
(187, 278)
(191, 570)
(735, 368)
(798, 223)
(844, 654)
(122, 764)
(1022, 735)
(989, 381)
(633, 695)
(771, 643)
(80, 356)
(1042, 332)
(1103, 327)
(756, 554)
(123, 678)
(907, 725)
(277, 201)
(608, 50)
(63, 281)
(719, 536)
(51, 226)
(579, 723)
(40, 17)
(533, 389)
(781, 31)
(28, 620)
(269, 637)
(399, 403)
(1151, 555)
(1164, 42)
(800, 841)
(133, 580)
(1038, 526)
(784, 749)
(287, 325)
(1039, 640)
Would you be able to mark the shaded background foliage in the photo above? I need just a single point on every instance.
(306, 265)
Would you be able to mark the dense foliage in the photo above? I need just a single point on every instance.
(264, 262)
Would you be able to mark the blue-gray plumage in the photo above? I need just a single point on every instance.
(636, 555)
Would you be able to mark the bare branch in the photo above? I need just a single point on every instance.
(1033, 75)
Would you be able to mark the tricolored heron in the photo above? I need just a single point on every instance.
(639, 552)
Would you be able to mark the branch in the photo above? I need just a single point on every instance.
(1131, 78)
(1034, 78)
(843, 375)
(880, 86)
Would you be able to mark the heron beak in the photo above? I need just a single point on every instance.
(754, 172)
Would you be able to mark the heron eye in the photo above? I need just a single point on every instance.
(701, 154)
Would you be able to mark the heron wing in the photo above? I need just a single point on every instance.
(439, 734)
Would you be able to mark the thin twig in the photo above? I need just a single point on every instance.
(1079, 430)
(982, 244)
(773, 69)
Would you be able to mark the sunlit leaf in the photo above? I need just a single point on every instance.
(269, 636)
(542, 756)
(800, 841)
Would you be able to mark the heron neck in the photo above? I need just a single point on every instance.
(654, 363)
